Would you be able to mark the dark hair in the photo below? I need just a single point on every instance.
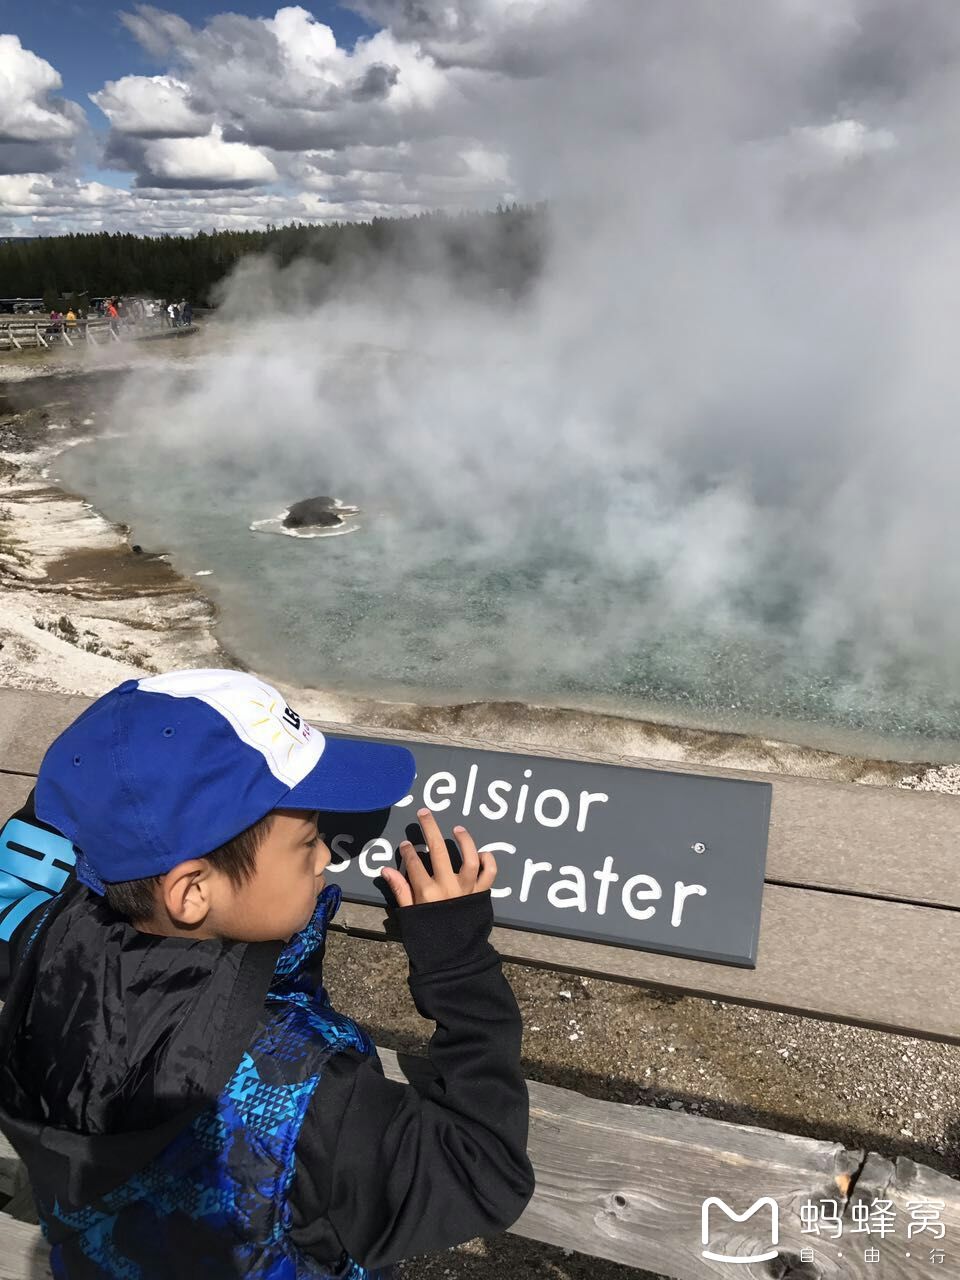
(237, 860)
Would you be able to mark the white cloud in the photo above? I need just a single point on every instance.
(284, 83)
(410, 177)
(846, 139)
(152, 107)
(41, 195)
(39, 203)
(156, 30)
(521, 37)
(27, 113)
(249, 101)
(205, 162)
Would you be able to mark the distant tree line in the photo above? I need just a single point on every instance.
(497, 250)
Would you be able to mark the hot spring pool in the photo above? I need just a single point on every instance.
(410, 606)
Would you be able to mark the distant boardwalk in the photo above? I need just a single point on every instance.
(18, 332)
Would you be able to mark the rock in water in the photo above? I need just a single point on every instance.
(312, 511)
(320, 517)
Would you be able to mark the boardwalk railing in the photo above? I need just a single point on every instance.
(19, 332)
(860, 924)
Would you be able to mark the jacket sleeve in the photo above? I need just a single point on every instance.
(385, 1171)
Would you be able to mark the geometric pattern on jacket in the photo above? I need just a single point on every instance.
(215, 1199)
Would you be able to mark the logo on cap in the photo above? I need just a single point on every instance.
(257, 712)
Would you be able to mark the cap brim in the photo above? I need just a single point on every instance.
(355, 777)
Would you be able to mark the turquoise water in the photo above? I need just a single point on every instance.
(412, 606)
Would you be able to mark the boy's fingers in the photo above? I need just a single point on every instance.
(439, 853)
(413, 866)
(419, 886)
(469, 858)
(488, 872)
(399, 886)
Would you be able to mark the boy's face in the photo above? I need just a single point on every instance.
(281, 896)
(277, 901)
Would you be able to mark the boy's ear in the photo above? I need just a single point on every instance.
(185, 891)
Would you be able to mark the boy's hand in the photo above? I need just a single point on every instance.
(444, 883)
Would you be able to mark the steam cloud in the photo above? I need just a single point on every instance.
(722, 429)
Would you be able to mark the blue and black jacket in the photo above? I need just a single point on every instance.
(198, 1107)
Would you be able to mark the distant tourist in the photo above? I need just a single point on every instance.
(71, 319)
(173, 311)
(186, 313)
(113, 315)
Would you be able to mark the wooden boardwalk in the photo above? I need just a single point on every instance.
(18, 333)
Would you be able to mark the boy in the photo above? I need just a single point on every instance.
(185, 1098)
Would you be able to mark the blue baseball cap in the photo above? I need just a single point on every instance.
(173, 766)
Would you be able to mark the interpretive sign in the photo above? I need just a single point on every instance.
(637, 857)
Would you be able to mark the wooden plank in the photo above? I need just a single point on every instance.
(14, 789)
(865, 961)
(628, 1183)
(21, 1204)
(10, 1168)
(41, 340)
(886, 840)
(23, 1251)
(29, 722)
(846, 837)
(809, 941)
